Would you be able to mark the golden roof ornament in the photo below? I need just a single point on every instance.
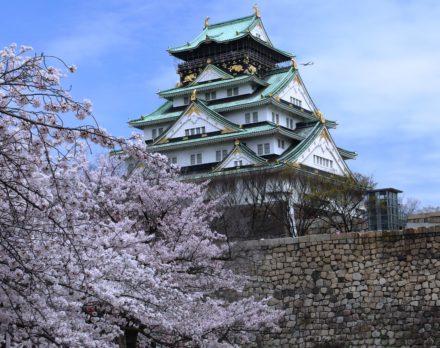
(206, 22)
(237, 142)
(256, 10)
(320, 116)
(294, 63)
(194, 95)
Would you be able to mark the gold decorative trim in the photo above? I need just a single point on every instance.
(293, 63)
(256, 11)
(194, 95)
(319, 115)
(227, 130)
(206, 24)
(193, 110)
(163, 141)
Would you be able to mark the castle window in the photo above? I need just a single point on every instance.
(185, 100)
(255, 116)
(194, 131)
(221, 155)
(289, 123)
(322, 161)
(232, 91)
(196, 159)
(266, 148)
(263, 149)
(210, 96)
(173, 160)
(247, 117)
(295, 101)
(156, 132)
(275, 118)
(281, 144)
(238, 163)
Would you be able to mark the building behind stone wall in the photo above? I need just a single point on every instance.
(350, 290)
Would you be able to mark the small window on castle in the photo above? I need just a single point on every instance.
(235, 90)
(260, 149)
(322, 161)
(185, 100)
(255, 117)
(229, 92)
(266, 148)
(238, 163)
(221, 155)
(154, 133)
(247, 117)
(196, 159)
(295, 101)
(160, 131)
(173, 160)
(210, 96)
(281, 144)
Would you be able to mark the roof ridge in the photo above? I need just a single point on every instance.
(230, 21)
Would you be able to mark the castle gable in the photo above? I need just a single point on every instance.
(197, 119)
(212, 73)
(295, 93)
(322, 154)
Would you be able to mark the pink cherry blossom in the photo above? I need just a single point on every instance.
(89, 251)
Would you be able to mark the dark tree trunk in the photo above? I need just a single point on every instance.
(131, 336)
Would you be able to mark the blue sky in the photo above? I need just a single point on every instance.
(376, 67)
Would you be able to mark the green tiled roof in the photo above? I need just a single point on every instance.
(247, 151)
(242, 170)
(294, 153)
(173, 92)
(243, 133)
(215, 115)
(165, 110)
(278, 82)
(225, 32)
(346, 154)
(275, 81)
(219, 32)
(251, 153)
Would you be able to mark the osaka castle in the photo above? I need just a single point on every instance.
(240, 105)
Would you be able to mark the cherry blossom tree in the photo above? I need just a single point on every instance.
(93, 256)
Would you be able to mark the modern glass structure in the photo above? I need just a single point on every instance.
(383, 209)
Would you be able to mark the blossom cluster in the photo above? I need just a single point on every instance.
(89, 251)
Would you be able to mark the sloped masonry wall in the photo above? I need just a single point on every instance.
(350, 290)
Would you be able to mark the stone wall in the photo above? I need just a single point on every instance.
(350, 290)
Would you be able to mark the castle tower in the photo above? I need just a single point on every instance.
(240, 106)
